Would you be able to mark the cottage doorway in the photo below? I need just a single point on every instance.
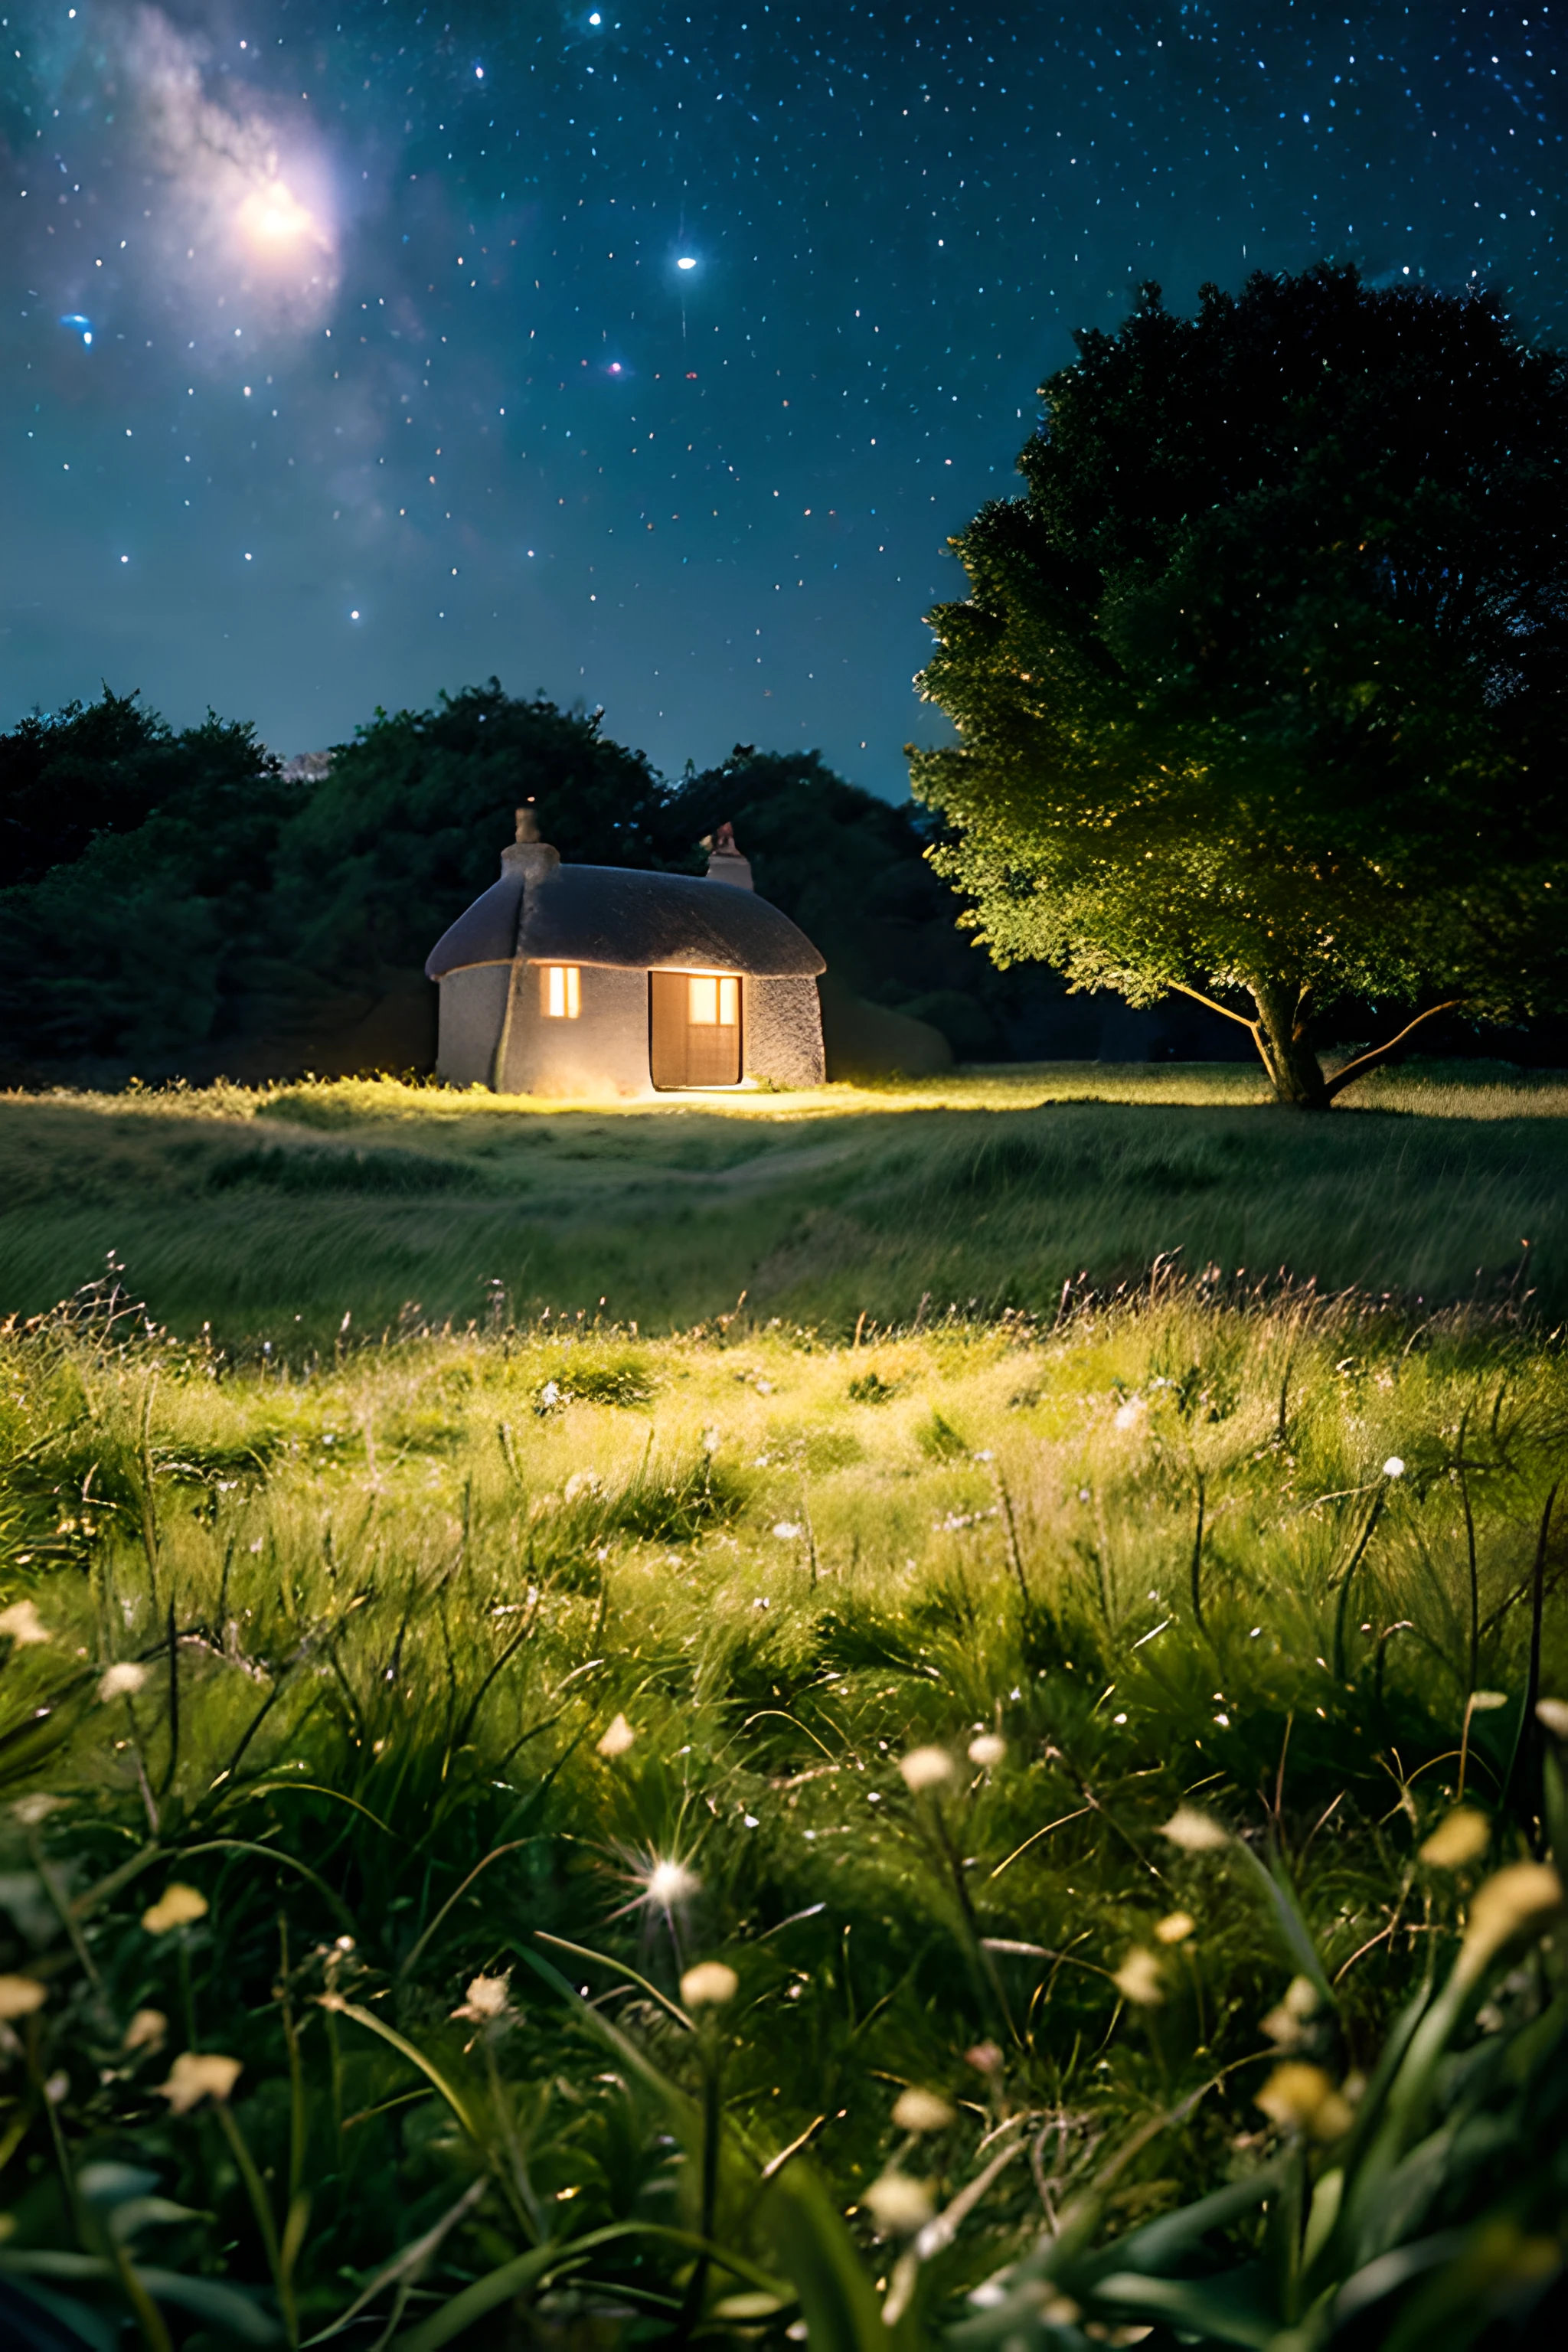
(694, 1029)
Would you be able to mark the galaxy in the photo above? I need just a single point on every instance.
(645, 357)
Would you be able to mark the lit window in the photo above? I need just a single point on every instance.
(713, 1000)
(560, 994)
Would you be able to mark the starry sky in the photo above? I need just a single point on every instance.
(646, 354)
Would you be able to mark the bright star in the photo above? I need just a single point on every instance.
(685, 262)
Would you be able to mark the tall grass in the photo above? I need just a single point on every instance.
(414, 1719)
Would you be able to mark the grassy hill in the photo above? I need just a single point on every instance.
(272, 1214)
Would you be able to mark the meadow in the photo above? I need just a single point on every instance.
(851, 1814)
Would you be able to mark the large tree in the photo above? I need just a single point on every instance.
(1260, 688)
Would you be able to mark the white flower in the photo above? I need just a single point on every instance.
(709, 1985)
(1138, 1980)
(24, 1624)
(1487, 1702)
(177, 1907)
(987, 1751)
(121, 1681)
(618, 1739)
(1174, 1927)
(922, 2111)
(487, 2000)
(670, 1883)
(899, 2205)
(196, 2076)
(1129, 1415)
(925, 1767)
(1394, 1467)
(1553, 1713)
(1193, 1832)
(787, 1530)
(31, 1811)
(583, 1482)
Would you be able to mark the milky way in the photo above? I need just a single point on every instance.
(647, 357)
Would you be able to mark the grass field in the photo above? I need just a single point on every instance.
(558, 1833)
(272, 1214)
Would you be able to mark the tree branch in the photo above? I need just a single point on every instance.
(1380, 1054)
(1183, 990)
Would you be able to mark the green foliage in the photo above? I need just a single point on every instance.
(476, 1687)
(1259, 685)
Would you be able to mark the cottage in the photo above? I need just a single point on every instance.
(591, 979)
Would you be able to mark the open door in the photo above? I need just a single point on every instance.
(694, 1028)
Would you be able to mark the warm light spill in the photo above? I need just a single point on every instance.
(274, 215)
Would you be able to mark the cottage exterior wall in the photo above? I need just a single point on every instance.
(603, 1051)
(781, 1035)
(473, 1006)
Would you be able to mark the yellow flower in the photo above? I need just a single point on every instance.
(1302, 2098)
(618, 1739)
(709, 1985)
(1522, 1896)
(20, 1996)
(24, 1624)
(898, 2205)
(1193, 1832)
(1285, 2026)
(1176, 1927)
(177, 1907)
(198, 2076)
(920, 2111)
(147, 2030)
(1460, 1837)
(1138, 1979)
(925, 1767)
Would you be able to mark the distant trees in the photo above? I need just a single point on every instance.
(1261, 687)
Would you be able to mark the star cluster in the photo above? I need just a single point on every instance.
(646, 354)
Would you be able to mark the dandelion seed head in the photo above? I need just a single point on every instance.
(925, 1767)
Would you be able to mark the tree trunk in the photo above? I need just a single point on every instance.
(1293, 1068)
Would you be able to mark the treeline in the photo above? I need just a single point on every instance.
(174, 900)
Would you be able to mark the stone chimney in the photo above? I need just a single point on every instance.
(527, 855)
(725, 863)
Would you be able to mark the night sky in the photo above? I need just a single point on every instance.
(645, 356)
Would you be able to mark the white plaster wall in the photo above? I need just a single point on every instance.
(603, 1052)
(782, 1038)
(473, 1004)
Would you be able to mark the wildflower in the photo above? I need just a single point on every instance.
(1553, 1714)
(1460, 1837)
(31, 1811)
(121, 1681)
(1174, 1927)
(177, 1907)
(1520, 1896)
(922, 2111)
(787, 1530)
(487, 2000)
(1129, 1415)
(670, 1883)
(1193, 1832)
(987, 1751)
(1138, 1979)
(23, 1624)
(582, 1482)
(1394, 1467)
(1302, 2098)
(57, 2087)
(709, 1985)
(1487, 1702)
(20, 1996)
(985, 2057)
(147, 2030)
(925, 1767)
(198, 2076)
(1286, 2025)
(618, 1739)
(898, 2205)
